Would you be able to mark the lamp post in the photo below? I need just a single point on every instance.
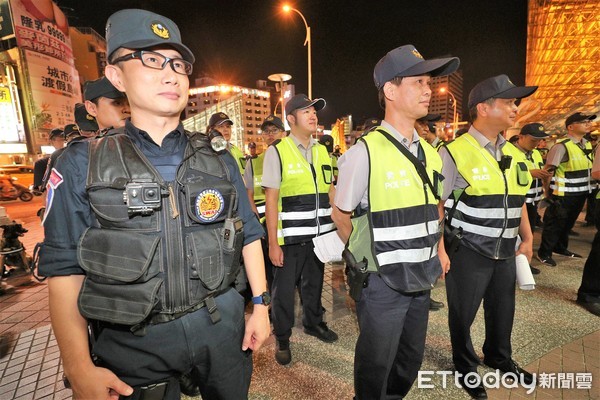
(454, 113)
(287, 8)
(281, 78)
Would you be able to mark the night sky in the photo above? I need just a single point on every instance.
(239, 42)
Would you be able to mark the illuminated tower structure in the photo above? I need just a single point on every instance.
(247, 108)
(563, 59)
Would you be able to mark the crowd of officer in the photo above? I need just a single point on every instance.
(147, 226)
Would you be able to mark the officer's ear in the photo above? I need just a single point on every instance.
(482, 109)
(115, 76)
(90, 107)
(291, 119)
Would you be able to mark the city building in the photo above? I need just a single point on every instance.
(89, 52)
(39, 85)
(246, 107)
(443, 88)
(563, 53)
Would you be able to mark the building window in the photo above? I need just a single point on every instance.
(249, 125)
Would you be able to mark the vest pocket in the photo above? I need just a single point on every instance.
(119, 257)
(205, 258)
(523, 174)
(129, 305)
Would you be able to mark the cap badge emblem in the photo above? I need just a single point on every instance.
(417, 54)
(89, 117)
(159, 30)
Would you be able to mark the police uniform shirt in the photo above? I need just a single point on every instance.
(452, 178)
(558, 153)
(435, 142)
(353, 179)
(272, 165)
(249, 175)
(68, 212)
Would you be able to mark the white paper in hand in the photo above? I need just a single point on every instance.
(329, 247)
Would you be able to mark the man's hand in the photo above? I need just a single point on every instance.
(541, 174)
(444, 259)
(257, 328)
(98, 383)
(276, 254)
(526, 248)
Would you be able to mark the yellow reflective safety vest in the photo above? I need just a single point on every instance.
(259, 192)
(399, 233)
(239, 157)
(489, 209)
(573, 178)
(304, 209)
(536, 190)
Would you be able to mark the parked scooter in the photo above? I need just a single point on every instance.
(11, 190)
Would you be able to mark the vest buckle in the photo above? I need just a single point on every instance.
(213, 311)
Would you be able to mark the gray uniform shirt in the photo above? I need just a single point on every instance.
(558, 153)
(452, 178)
(272, 165)
(353, 179)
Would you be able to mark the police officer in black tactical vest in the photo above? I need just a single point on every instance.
(144, 232)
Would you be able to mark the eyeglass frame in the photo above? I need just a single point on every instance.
(272, 131)
(137, 55)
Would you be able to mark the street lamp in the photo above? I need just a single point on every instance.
(454, 113)
(287, 8)
(281, 78)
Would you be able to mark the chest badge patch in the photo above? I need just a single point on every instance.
(209, 205)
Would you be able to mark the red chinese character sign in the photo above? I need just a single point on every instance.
(42, 34)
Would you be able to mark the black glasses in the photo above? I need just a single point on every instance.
(155, 60)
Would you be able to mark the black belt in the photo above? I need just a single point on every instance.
(140, 329)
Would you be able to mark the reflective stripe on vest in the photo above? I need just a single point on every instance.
(304, 210)
(402, 217)
(536, 190)
(573, 177)
(489, 209)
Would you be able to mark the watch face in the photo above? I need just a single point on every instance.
(266, 298)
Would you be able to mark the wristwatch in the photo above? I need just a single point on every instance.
(264, 298)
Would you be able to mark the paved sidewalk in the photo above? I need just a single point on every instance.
(30, 365)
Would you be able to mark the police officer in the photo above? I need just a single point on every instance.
(427, 130)
(527, 141)
(86, 124)
(143, 238)
(222, 123)
(486, 180)
(272, 129)
(392, 177)
(57, 140)
(588, 295)
(570, 161)
(297, 176)
(104, 103)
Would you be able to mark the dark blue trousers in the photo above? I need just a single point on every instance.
(473, 278)
(192, 342)
(391, 343)
(301, 268)
(589, 291)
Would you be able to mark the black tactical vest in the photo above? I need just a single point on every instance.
(158, 252)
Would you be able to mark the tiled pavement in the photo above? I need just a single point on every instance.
(29, 356)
